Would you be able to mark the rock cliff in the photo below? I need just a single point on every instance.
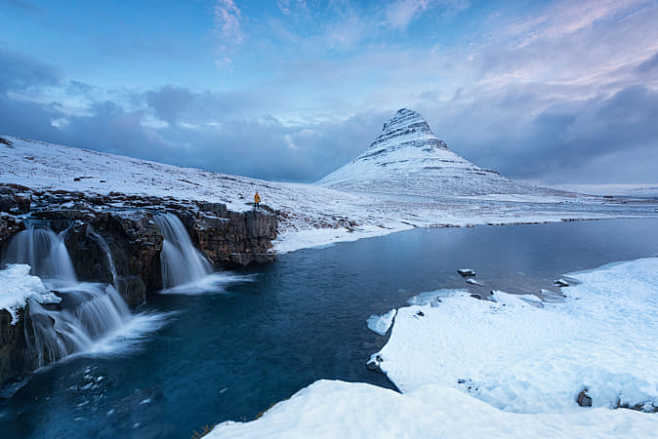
(124, 225)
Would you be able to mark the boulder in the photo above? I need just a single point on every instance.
(583, 399)
(466, 272)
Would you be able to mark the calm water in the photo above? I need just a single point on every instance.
(231, 356)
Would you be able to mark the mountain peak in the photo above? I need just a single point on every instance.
(407, 158)
(407, 128)
(403, 117)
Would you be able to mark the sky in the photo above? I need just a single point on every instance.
(554, 92)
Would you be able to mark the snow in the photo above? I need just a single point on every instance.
(505, 369)
(525, 355)
(624, 190)
(336, 409)
(310, 214)
(17, 286)
(381, 324)
(407, 158)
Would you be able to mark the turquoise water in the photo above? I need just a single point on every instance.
(232, 355)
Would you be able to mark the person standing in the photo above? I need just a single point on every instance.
(256, 199)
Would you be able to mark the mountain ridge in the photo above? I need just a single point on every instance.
(408, 158)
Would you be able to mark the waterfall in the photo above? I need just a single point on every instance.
(88, 312)
(108, 254)
(44, 251)
(181, 262)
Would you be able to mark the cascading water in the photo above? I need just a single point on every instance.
(88, 312)
(44, 251)
(108, 254)
(184, 269)
(181, 262)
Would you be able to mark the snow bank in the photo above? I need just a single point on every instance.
(381, 324)
(17, 285)
(523, 355)
(336, 409)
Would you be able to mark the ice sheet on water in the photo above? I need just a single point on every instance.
(381, 324)
(523, 355)
(18, 286)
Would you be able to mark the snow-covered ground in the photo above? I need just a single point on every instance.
(625, 190)
(506, 369)
(18, 286)
(525, 355)
(311, 215)
(336, 409)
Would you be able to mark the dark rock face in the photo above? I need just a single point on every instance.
(236, 239)
(583, 399)
(124, 225)
(374, 363)
(9, 226)
(12, 347)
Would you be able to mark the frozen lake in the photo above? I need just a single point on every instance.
(303, 318)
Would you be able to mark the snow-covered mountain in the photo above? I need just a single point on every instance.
(407, 158)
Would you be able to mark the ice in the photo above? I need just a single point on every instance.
(18, 286)
(336, 409)
(524, 355)
(381, 324)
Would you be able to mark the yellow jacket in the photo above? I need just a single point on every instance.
(256, 198)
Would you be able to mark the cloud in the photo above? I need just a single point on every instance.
(289, 6)
(401, 12)
(19, 72)
(566, 93)
(650, 65)
(227, 17)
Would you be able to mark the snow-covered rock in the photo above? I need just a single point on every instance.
(17, 285)
(407, 158)
(523, 355)
(466, 272)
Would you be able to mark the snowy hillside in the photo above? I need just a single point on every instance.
(310, 215)
(407, 158)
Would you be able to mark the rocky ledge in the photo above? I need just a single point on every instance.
(126, 224)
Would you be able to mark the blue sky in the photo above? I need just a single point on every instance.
(551, 91)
